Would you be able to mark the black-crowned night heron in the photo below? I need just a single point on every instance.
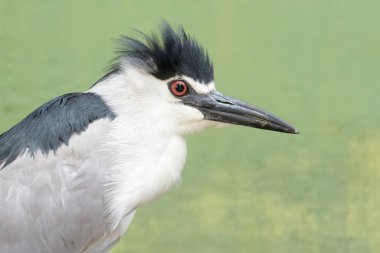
(75, 170)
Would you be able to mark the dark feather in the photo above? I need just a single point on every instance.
(166, 55)
(52, 125)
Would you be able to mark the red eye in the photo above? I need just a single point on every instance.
(178, 88)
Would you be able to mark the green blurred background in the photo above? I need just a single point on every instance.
(314, 63)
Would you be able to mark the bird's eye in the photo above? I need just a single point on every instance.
(178, 88)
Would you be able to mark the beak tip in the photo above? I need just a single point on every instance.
(295, 131)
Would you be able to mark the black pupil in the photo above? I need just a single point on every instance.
(179, 87)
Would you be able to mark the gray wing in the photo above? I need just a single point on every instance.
(51, 195)
(52, 125)
(47, 206)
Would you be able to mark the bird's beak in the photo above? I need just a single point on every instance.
(218, 107)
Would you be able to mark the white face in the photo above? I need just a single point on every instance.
(184, 118)
(148, 99)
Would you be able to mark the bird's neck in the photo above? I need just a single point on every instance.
(144, 157)
(144, 165)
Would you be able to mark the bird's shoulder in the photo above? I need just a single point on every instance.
(52, 125)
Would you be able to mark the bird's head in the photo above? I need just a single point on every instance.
(170, 78)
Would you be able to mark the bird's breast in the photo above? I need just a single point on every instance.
(144, 166)
(163, 166)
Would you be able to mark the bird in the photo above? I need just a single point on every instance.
(75, 170)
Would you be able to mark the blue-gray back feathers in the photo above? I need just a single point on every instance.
(52, 125)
